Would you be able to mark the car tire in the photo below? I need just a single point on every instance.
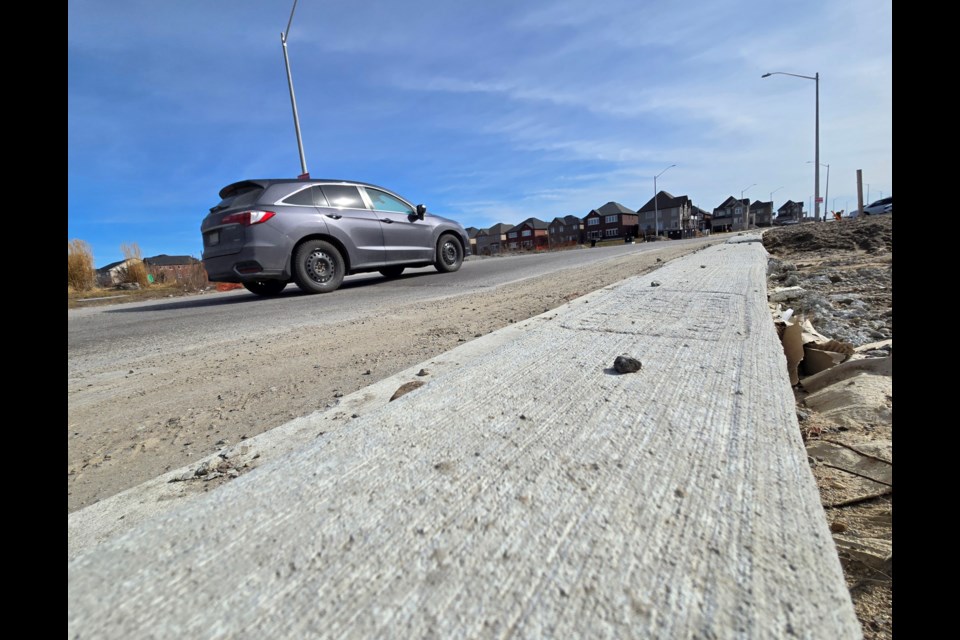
(265, 287)
(391, 272)
(318, 267)
(449, 254)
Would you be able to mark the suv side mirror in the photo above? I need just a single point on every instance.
(421, 210)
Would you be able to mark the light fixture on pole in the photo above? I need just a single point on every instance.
(656, 209)
(826, 193)
(293, 100)
(747, 218)
(816, 171)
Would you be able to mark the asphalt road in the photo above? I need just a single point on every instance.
(187, 322)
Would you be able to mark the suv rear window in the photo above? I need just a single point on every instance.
(239, 195)
(310, 196)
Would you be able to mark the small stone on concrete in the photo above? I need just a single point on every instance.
(626, 364)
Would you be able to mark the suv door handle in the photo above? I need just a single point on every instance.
(333, 215)
(387, 220)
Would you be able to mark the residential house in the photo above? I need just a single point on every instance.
(564, 232)
(493, 240)
(761, 213)
(670, 215)
(700, 219)
(529, 234)
(472, 234)
(789, 213)
(612, 220)
(730, 215)
(115, 272)
(166, 268)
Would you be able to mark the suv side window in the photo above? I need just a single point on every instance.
(386, 202)
(343, 196)
(312, 196)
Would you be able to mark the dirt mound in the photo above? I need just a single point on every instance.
(872, 234)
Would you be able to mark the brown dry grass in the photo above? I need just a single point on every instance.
(135, 271)
(81, 274)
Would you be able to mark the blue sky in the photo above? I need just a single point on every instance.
(486, 111)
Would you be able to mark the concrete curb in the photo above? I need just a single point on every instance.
(528, 491)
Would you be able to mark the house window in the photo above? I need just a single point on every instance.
(612, 232)
(593, 221)
(512, 234)
(526, 232)
(738, 210)
(611, 219)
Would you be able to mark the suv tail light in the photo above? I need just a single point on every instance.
(247, 218)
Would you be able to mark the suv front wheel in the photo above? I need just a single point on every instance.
(449, 254)
(318, 267)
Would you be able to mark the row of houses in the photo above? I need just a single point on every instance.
(664, 215)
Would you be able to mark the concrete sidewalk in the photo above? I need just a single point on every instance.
(527, 490)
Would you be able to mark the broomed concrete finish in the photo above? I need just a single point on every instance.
(531, 492)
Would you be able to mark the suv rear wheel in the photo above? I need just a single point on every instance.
(449, 254)
(265, 287)
(318, 267)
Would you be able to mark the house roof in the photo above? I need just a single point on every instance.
(534, 223)
(731, 201)
(612, 208)
(665, 200)
(163, 260)
(113, 265)
(790, 204)
(567, 220)
(496, 230)
(472, 232)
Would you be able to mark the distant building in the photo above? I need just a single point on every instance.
(565, 231)
(493, 240)
(529, 234)
(612, 220)
(166, 268)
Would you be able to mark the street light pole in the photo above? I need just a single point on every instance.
(826, 194)
(816, 171)
(293, 100)
(747, 217)
(656, 209)
(771, 203)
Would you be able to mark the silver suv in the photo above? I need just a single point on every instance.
(265, 233)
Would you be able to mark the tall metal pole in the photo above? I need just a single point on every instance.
(826, 195)
(816, 152)
(293, 100)
(816, 158)
(656, 209)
